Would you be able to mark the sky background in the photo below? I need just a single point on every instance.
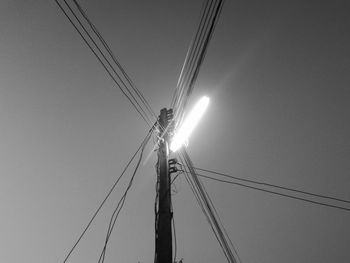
(278, 76)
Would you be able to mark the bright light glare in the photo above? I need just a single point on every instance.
(189, 124)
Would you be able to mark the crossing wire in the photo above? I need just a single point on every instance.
(214, 219)
(189, 57)
(109, 67)
(331, 198)
(208, 212)
(121, 203)
(195, 56)
(194, 50)
(278, 193)
(274, 185)
(201, 204)
(110, 52)
(107, 196)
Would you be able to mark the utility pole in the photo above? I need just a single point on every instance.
(164, 216)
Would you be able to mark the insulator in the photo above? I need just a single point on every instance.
(172, 161)
(169, 114)
(172, 169)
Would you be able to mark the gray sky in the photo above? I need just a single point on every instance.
(277, 73)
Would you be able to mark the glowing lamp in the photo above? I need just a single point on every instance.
(189, 124)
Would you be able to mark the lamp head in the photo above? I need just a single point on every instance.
(191, 121)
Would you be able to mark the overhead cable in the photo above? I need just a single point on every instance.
(278, 193)
(107, 196)
(219, 230)
(185, 70)
(275, 186)
(201, 205)
(115, 60)
(106, 64)
(298, 191)
(194, 52)
(121, 203)
(195, 56)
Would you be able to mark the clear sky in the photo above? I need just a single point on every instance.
(278, 76)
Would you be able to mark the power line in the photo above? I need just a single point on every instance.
(211, 213)
(121, 203)
(107, 196)
(195, 56)
(207, 211)
(275, 186)
(222, 225)
(186, 68)
(130, 97)
(110, 52)
(189, 57)
(277, 193)
(266, 184)
(201, 204)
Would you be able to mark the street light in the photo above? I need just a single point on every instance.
(189, 124)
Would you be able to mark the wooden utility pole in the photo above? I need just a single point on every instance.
(164, 215)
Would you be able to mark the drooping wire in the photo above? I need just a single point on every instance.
(201, 204)
(156, 214)
(197, 197)
(219, 219)
(173, 219)
(106, 197)
(209, 210)
(187, 177)
(174, 233)
(121, 203)
(156, 210)
(102, 60)
(229, 247)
